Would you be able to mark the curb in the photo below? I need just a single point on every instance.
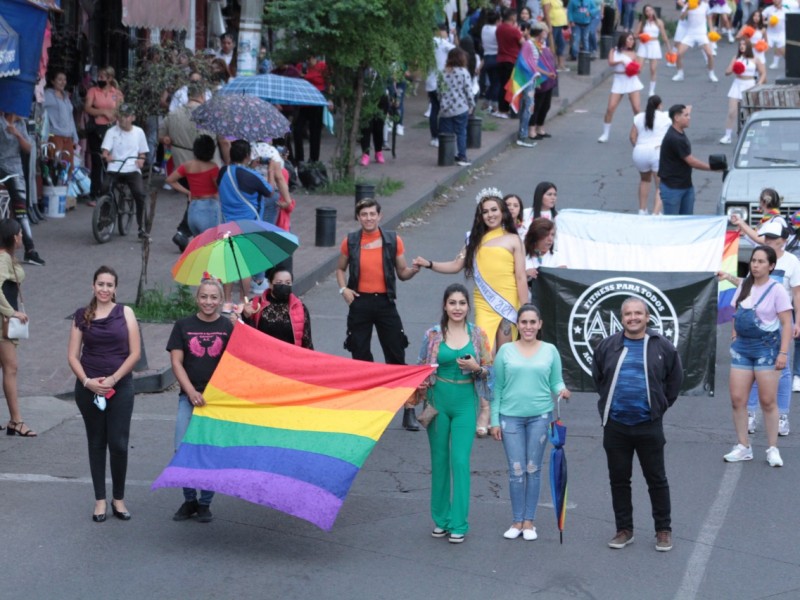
(309, 280)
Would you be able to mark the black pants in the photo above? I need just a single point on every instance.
(311, 116)
(504, 70)
(373, 130)
(136, 184)
(375, 309)
(647, 440)
(107, 429)
(541, 106)
(94, 138)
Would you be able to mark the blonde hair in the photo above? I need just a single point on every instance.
(216, 283)
(110, 74)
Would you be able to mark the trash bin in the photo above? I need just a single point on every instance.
(364, 190)
(474, 128)
(447, 149)
(606, 44)
(326, 227)
(584, 63)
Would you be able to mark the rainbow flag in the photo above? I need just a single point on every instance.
(522, 77)
(287, 427)
(730, 255)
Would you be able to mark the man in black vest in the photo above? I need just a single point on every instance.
(375, 260)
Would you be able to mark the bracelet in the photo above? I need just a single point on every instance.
(85, 381)
(782, 352)
(114, 378)
(430, 265)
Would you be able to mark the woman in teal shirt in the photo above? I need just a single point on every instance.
(527, 375)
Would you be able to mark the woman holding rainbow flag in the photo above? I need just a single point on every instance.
(494, 257)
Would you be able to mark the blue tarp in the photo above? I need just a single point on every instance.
(9, 50)
(28, 20)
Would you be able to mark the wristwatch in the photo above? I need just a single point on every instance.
(342, 289)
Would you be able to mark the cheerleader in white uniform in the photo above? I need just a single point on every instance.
(619, 58)
(646, 135)
(757, 32)
(721, 8)
(698, 24)
(650, 51)
(775, 20)
(754, 72)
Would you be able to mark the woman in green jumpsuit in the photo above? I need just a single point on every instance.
(461, 351)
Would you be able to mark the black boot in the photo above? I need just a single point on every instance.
(180, 240)
(410, 422)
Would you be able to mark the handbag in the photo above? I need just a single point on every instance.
(13, 328)
(427, 415)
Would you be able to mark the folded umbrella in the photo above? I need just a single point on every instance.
(557, 433)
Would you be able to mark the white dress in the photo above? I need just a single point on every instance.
(651, 49)
(720, 9)
(648, 141)
(744, 81)
(622, 83)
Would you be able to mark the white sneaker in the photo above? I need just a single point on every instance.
(526, 144)
(726, 140)
(678, 76)
(712, 77)
(603, 138)
(774, 457)
(730, 37)
(796, 383)
(401, 130)
(529, 534)
(751, 422)
(435, 142)
(739, 453)
(643, 211)
(783, 425)
(775, 65)
(512, 533)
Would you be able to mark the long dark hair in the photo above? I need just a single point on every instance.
(518, 220)
(9, 228)
(539, 229)
(747, 284)
(479, 229)
(748, 49)
(91, 310)
(751, 20)
(622, 40)
(643, 16)
(650, 112)
(538, 194)
(453, 288)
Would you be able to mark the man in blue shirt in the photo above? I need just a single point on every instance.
(638, 375)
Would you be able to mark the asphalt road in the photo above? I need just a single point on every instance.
(733, 525)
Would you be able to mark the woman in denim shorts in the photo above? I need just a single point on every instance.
(762, 332)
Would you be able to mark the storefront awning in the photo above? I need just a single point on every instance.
(28, 19)
(150, 14)
(9, 50)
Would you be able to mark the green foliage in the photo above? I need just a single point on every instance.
(363, 42)
(156, 306)
(346, 186)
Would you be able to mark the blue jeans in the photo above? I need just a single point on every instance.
(796, 361)
(524, 440)
(203, 214)
(677, 201)
(457, 125)
(580, 38)
(593, 26)
(490, 68)
(558, 39)
(433, 120)
(628, 14)
(185, 409)
(525, 110)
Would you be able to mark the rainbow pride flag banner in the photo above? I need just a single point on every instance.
(286, 427)
(522, 77)
(726, 291)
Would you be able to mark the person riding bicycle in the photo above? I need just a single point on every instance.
(123, 142)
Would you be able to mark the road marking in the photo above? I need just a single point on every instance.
(695, 571)
(40, 478)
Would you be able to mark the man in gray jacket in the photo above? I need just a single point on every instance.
(638, 375)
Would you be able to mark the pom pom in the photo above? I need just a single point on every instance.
(773, 20)
(738, 67)
(761, 46)
(632, 69)
(672, 57)
(693, 4)
(644, 37)
(748, 31)
(714, 36)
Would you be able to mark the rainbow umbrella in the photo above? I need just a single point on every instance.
(557, 432)
(234, 250)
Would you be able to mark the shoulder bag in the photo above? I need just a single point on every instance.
(13, 328)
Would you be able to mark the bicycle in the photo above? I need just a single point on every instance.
(115, 208)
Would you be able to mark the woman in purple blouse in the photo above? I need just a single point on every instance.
(104, 346)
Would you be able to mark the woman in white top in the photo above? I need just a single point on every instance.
(744, 67)
(775, 19)
(695, 33)
(647, 133)
(619, 58)
(650, 50)
(721, 8)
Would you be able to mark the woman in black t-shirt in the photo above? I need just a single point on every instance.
(196, 346)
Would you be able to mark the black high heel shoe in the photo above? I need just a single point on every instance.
(100, 518)
(122, 516)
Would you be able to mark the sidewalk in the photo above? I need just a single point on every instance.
(55, 291)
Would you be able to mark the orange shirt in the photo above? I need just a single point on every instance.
(370, 274)
(110, 97)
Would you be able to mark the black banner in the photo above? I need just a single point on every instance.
(580, 308)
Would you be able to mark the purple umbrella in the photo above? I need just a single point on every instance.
(241, 117)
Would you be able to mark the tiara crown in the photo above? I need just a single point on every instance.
(491, 192)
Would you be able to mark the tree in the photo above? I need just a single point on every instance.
(356, 37)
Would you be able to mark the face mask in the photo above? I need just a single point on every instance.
(281, 291)
(102, 84)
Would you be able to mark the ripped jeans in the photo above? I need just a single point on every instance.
(524, 440)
